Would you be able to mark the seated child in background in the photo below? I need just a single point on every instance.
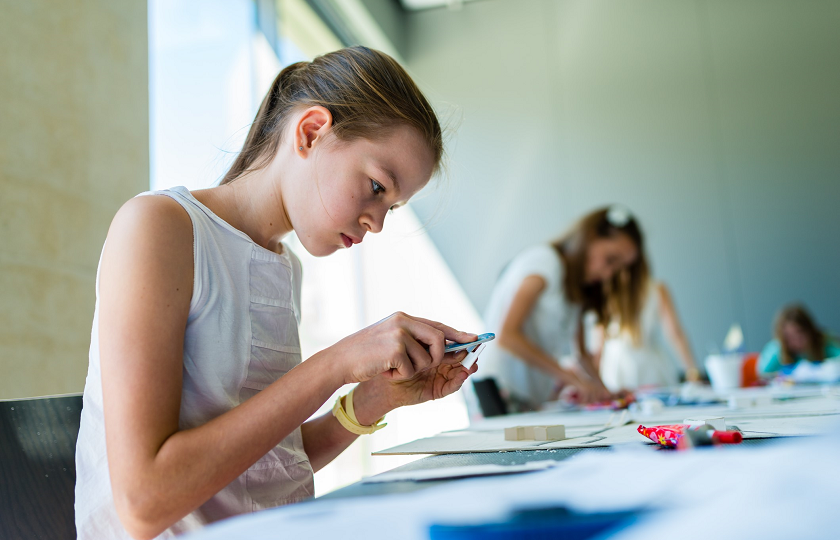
(797, 338)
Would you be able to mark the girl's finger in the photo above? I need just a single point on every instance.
(454, 357)
(455, 383)
(419, 356)
(449, 332)
(402, 367)
(433, 338)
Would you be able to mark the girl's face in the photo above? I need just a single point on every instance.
(608, 255)
(797, 341)
(349, 187)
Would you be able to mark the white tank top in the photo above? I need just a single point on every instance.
(626, 365)
(241, 335)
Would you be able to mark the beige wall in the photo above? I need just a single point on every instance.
(73, 147)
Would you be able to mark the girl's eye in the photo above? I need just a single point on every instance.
(376, 187)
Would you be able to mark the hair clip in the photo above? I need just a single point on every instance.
(618, 216)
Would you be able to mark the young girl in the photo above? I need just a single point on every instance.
(797, 337)
(628, 362)
(196, 398)
(537, 306)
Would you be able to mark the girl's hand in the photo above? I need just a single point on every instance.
(376, 397)
(692, 374)
(433, 383)
(602, 392)
(588, 391)
(397, 348)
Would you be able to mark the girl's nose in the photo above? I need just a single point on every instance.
(372, 223)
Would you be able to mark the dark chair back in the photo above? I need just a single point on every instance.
(37, 467)
(489, 398)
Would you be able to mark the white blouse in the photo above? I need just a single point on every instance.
(241, 335)
(626, 365)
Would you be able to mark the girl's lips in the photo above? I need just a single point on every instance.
(346, 240)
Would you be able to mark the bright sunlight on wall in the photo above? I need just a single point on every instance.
(209, 68)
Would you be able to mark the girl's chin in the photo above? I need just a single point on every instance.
(316, 248)
(320, 250)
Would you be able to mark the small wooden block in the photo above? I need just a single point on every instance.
(549, 433)
(515, 433)
(535, 433)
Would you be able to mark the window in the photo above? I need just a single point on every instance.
(210, 65)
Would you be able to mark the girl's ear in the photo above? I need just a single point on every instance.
(311, 128)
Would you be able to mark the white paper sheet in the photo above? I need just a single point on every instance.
(787, 490)
(796, 417)
(467, 471)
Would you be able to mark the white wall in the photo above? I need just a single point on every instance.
(717, 122)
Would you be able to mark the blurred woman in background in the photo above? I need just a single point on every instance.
(537, 307)
(797, 338)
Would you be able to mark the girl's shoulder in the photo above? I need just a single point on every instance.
(539, 256)
(152, 227)
(772, 347)
(540, 260)
(768, 360)
(152, 214)
(832, 346)
(149, 247)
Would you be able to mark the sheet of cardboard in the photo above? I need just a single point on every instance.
(799, 417)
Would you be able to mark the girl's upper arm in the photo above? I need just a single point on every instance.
(666, 305)
(523, 303)
(145, 289)
(665, 298)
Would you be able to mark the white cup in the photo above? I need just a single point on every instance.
(724, 371)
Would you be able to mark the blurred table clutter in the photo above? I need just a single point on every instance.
(778, 410)
(609, 480)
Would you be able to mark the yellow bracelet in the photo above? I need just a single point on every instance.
(347, 417)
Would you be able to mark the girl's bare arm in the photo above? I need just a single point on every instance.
(512, 338)
(674, 331)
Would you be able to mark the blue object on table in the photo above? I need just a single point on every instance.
(538, 524)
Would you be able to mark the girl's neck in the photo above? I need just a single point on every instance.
(252, 204)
